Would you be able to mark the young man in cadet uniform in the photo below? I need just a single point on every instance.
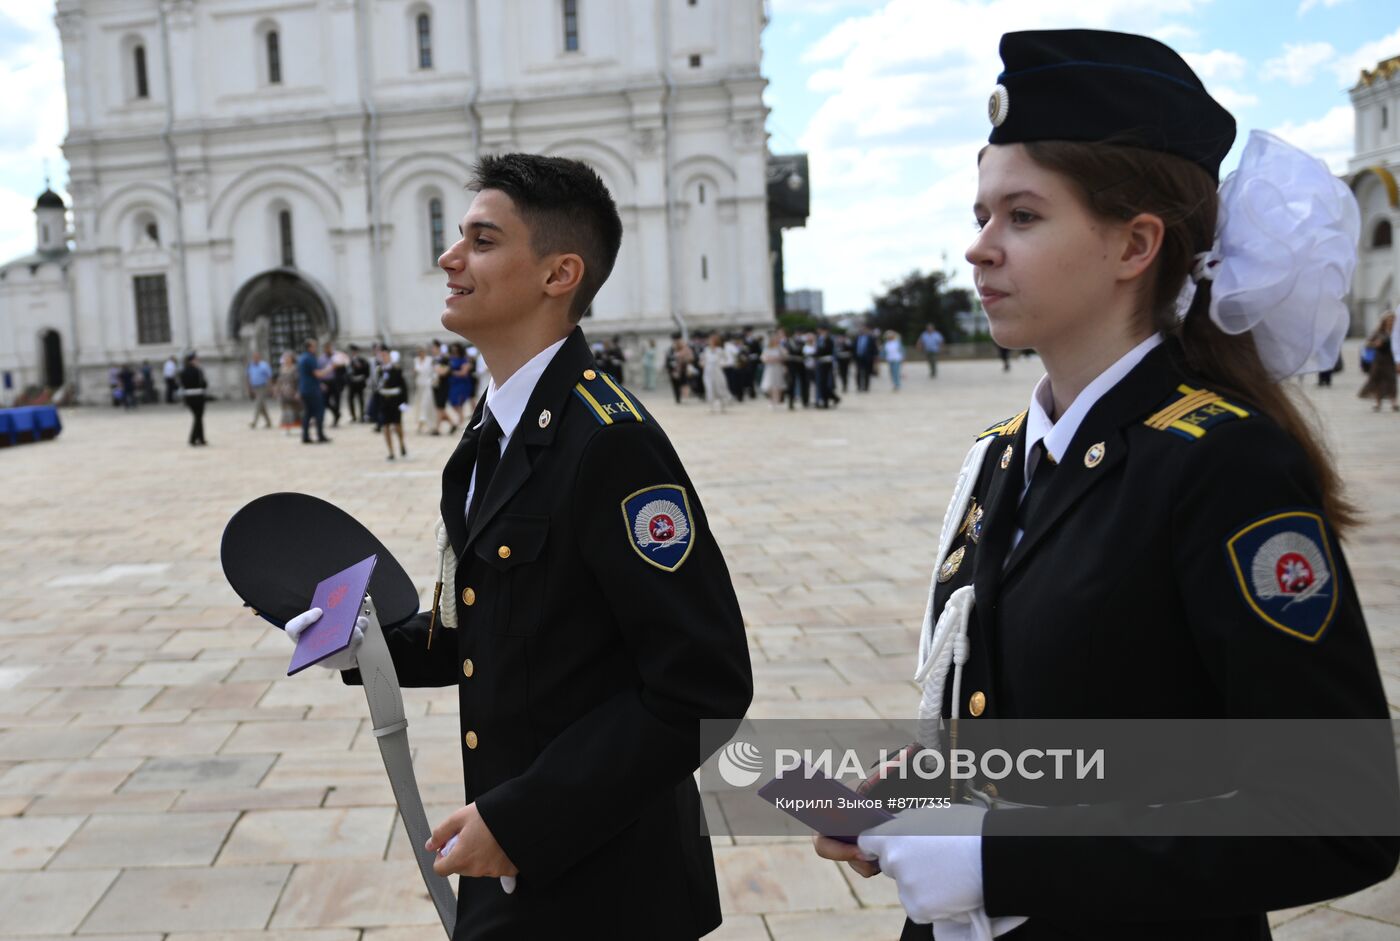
(596, 622)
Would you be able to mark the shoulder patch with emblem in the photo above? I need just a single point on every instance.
(1190, 413)
(658, 525)
(1284, 567)
(606, 399)
(1007, 426)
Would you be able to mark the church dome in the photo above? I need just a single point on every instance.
(48, 199)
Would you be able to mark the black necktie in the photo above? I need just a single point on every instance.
(1035, 494)
(488, 455)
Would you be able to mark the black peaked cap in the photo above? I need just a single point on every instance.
(1093, 85)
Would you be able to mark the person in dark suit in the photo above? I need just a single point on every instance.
(826, 369)
(1155, 538)
(310, 375)
(193, 391)
(588, 618)
(798, 382)
(867, 348)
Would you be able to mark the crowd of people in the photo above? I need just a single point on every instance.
(806, 368)
(810, 368)
(369, 388)
(800, 367)
(131, 385)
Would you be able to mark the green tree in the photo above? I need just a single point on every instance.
(918, 299)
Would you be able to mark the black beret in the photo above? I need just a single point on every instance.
(1091, 85)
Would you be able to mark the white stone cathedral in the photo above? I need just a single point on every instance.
(1372, 172)
(245, 173)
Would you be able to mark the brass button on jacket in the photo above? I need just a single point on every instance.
(468, 668)
(503, 552)
(470, 739)
(468, 597)
(978, 703)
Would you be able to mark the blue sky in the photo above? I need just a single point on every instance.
(888, 97)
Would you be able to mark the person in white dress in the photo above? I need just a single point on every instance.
(423, 387)
(712, 362)
(774, 379)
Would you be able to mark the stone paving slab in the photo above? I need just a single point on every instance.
(30, 842)
(301, 836)
(142, 840)
(355, 895)
(189, 899)
(49, 902)
(150, 736)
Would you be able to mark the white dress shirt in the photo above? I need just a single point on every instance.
(507, 402)
(1057, 435)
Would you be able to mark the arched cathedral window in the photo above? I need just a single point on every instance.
(138, 63)
(435, 230)
(1381, 237)
(570, 25)
(284, 234)
(274, 58)
(424, 24)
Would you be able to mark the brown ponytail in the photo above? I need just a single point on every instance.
(1120, 181)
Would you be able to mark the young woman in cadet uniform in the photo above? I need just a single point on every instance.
(1157, 535)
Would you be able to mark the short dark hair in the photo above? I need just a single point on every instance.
(566, 207)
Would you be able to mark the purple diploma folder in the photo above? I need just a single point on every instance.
(339, 599)
(825, 805)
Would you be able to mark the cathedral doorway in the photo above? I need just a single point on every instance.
(274, 313)
(51, 355)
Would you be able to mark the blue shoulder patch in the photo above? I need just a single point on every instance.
(606, 399)
(658, 525)
(1284, 567)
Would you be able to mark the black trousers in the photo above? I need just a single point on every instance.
(799, 383)
(170, 387)
(195, 403)
(357, 401)
(333, 390)
(864, 369)
(677, 384)
(313, 409)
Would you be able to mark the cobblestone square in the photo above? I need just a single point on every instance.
(161, 777)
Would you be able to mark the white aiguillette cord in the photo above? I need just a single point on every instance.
(946, 642)
(391, 730)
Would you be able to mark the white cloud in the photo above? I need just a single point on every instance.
(33, 16)
(1348, 67)
(1307, 5)
(1299, 63)
(1217, 69)
(16, 237)
(1329, 137)
(1234, 100)
(820, 7)
(893, 143)
(33, 122)
(1219, 65)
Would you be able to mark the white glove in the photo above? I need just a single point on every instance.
(939, 877)
(347, 659)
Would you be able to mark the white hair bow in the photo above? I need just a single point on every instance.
(1283, 257)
